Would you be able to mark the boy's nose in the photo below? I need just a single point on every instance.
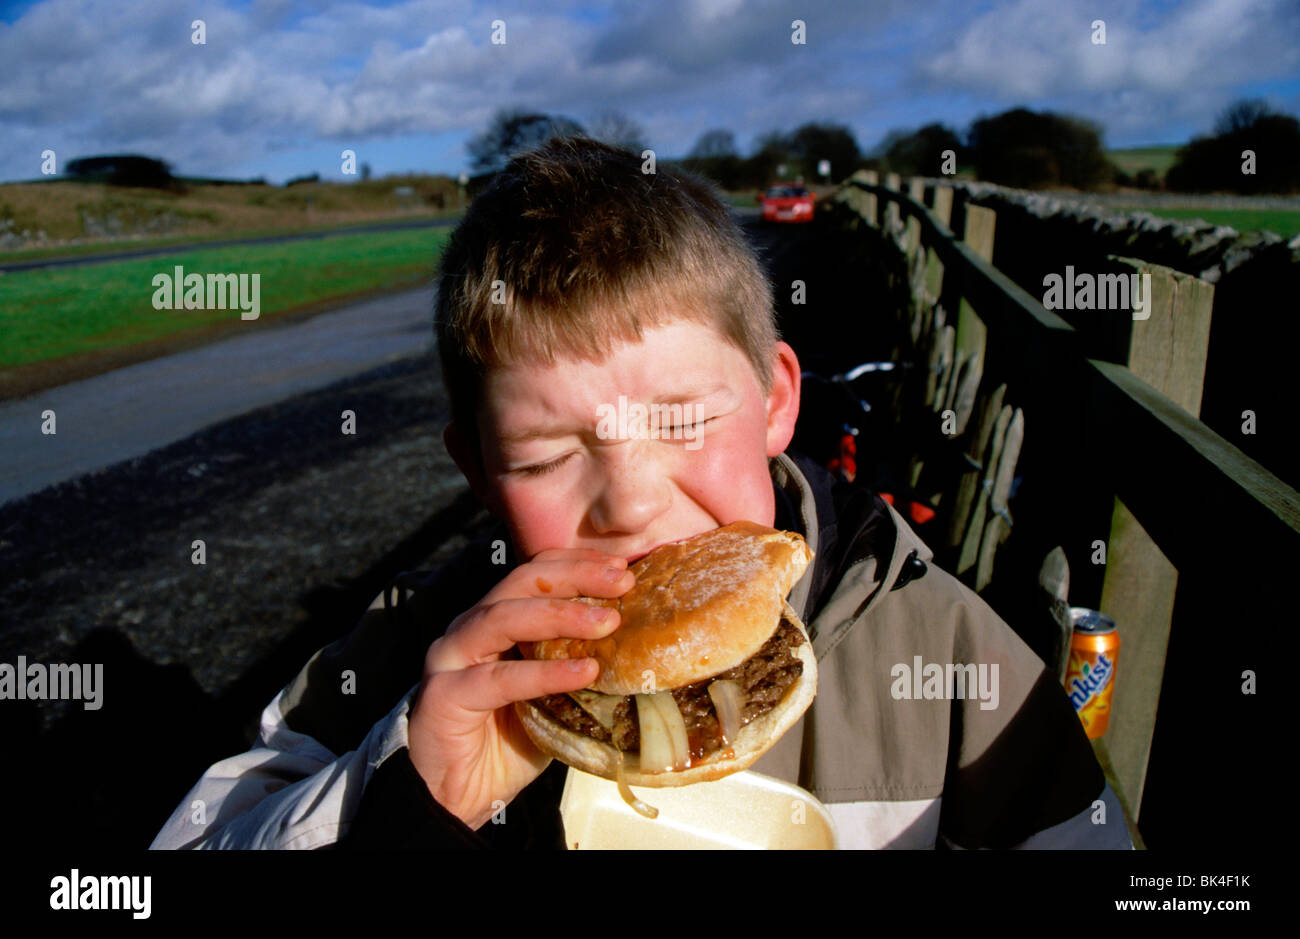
(633, 492)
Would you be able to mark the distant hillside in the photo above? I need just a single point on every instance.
(44, 213)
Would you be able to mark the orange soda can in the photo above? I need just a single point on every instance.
(1090, 675)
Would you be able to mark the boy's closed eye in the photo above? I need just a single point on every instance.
(541, 469)
(692, 425)
(669, 433)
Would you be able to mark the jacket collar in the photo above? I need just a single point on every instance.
(845, 525)
(799, 509)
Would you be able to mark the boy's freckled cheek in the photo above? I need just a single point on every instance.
(541, 517)
(730, 479)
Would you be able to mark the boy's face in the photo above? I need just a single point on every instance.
(551, 467)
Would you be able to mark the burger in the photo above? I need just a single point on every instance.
(707, 669)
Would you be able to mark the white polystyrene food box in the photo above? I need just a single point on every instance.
(743, 810)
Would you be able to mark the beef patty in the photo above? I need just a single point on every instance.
(764, 678)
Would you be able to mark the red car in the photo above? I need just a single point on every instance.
(787, 204)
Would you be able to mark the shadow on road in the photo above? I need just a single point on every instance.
(109, 778)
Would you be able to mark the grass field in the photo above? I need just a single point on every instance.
(1140, 158)
(112, 246)
(47, 314)
(1282, 221)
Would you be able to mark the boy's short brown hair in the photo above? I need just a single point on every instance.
(573, 248)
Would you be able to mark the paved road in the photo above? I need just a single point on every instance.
(122, 414)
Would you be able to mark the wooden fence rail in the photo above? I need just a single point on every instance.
(1168, 496)
(1145, 425)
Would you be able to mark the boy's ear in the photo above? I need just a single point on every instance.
(465, 451)
(783, 400)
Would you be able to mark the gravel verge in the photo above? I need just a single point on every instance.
(302, 524)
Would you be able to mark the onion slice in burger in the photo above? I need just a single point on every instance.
(729, 702)
(624, 790)
(599, 706)
(664, 745)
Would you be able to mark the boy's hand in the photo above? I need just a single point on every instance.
(465, 740)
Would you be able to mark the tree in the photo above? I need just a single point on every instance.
(1269, 141)
(920, 153)
(715, 156)
(1241, 115)
(121, 170)
(891, 140)
(773, 150)
(618, 130)
(814, 142)
(1034, 150)
(512, 132)
(715, 143)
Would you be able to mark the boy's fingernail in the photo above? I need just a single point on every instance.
(579, 665)
(613, 574)
(598, 614)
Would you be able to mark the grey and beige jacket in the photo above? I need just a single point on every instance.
(934, 725)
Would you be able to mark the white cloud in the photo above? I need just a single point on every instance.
(1034, 49)
(92, 75)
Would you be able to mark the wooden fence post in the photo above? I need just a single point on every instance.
(980, 226)
(892, 222)
(942, 211)
(986, 412)
(969, 343)
(999, 523)
(970, 545)
(1168, 352)
(912, 241)
(933, 317)
(854, 198)
(869, 200)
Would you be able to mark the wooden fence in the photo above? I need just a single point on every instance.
(1099, 424)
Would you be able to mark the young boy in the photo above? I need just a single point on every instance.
(574, 283)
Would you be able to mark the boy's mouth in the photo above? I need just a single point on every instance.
(642, 552)
(638, 554)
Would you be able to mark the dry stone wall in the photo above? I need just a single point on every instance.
(1255, 331)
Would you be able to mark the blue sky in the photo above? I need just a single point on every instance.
(281, 87)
